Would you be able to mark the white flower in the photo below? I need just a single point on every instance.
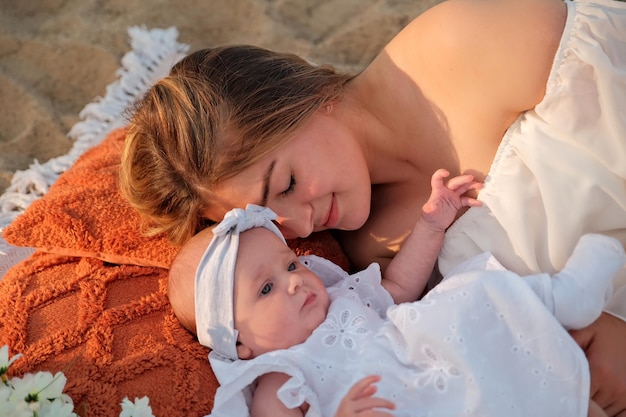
(140, 408)
(5, 362)
(8, 406)
(14, 407)
(41, 395)
(40, 386)
(60, 407)
(5, 393)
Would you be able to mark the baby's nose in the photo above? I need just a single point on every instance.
(295, 283)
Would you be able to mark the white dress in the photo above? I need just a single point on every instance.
(560, 170)
(480, 344)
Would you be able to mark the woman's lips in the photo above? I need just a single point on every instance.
(333, 214)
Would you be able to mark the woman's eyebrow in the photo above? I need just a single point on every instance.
(266, 183)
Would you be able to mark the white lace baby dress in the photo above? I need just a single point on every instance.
(479, 344)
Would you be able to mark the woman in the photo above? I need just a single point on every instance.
(525, 95)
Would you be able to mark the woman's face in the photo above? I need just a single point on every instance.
(318, 180)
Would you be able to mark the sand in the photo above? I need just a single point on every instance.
(56, 56)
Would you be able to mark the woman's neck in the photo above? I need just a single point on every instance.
(395, 142)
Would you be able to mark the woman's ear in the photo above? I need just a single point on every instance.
(243, 351)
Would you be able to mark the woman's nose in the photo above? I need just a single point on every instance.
(293, 231)
(296, 225)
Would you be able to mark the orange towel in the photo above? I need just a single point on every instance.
(92, 302)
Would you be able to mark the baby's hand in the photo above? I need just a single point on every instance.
(359, 401)
(447, 198)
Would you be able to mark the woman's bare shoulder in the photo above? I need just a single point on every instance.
(508, 17)
(500, 49)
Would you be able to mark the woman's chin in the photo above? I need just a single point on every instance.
(354, 222)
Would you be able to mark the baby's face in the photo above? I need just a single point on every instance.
(278, 302)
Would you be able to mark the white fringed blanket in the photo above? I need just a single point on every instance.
(153, 52)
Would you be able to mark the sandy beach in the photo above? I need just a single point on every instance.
(56, 56)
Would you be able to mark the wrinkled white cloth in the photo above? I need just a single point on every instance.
(215, 275)
(560, 171)
(481, 343)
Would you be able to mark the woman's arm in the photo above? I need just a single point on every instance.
(603, 342)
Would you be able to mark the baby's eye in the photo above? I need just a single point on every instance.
(267, 288)
(292, 266)
(290, 188)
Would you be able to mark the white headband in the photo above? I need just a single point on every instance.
(215, 275)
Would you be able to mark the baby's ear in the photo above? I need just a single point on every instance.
(243, 351)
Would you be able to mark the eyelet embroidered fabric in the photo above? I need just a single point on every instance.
(472, 347)
(561, 167)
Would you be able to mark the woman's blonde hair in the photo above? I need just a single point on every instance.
(216, 113)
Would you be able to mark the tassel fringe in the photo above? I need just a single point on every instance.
(153, 52)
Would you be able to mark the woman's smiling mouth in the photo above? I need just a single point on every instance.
(332, 216)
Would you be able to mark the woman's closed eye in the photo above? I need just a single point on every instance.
(291, 187)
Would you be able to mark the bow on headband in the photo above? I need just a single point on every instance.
(215, 276)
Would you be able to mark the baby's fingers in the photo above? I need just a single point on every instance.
(360, 400)
(459, 184)
(369, 403)
(463, 183)
(365, 407)
(470, 202)
(436, 181)
(363, 388)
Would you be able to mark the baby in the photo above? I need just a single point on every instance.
(299, 336)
